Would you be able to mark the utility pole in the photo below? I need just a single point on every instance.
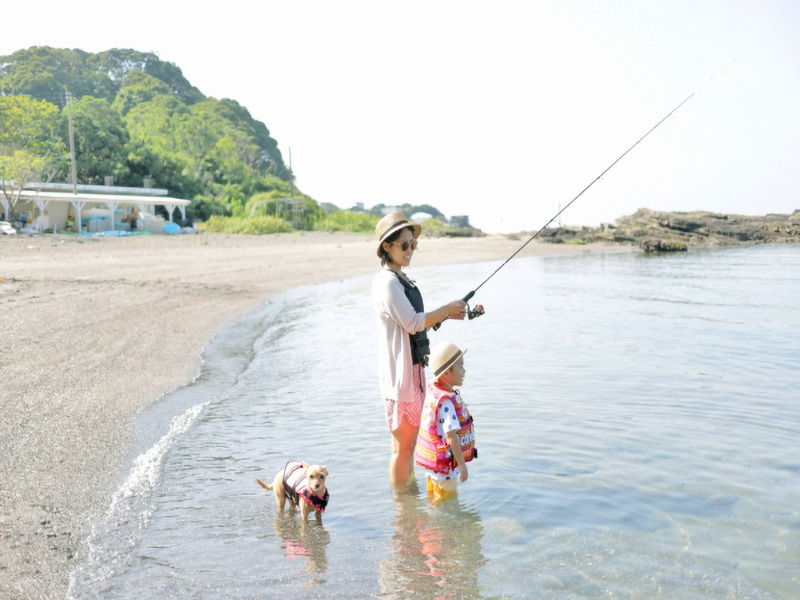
(72, 145)
(291, 190)
(78, 204)
(298, 206)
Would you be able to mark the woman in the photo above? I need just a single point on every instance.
(402, 341)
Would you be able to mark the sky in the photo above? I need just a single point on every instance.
(503, 111)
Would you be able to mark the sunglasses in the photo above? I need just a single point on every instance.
(406, 244)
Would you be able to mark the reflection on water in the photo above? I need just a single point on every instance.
(304, 541)
(435, 549)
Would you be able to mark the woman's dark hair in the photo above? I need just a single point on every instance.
(385, 258)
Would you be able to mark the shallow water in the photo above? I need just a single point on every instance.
(637, 418)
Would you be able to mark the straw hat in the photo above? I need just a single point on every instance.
(391, 223)
(443, 356)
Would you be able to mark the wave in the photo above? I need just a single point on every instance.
(112, 539)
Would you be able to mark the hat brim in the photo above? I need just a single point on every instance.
(415, 226)
(450, 362)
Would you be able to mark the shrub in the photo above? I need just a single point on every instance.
(432, 228)
(261, 204)
(347, 221)
(254, 225)
(204, 207)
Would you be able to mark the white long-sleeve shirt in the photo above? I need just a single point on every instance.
(397, 319)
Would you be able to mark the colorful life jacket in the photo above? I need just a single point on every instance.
(420, 346)
(296, 487)
(433, 452)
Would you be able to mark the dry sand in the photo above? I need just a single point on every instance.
(93, 329)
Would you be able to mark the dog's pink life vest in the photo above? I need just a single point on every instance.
(432, 452)
(296, 486)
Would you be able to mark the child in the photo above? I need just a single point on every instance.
(446, 440)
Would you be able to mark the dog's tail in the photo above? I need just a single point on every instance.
(262, 484)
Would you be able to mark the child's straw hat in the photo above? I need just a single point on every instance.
(443, 356)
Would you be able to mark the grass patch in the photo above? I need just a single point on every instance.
(253, 225)
(347, 222)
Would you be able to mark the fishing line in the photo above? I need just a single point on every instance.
(479, 309)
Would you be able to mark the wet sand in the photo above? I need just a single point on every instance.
(94, 329)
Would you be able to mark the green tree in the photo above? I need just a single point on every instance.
(138, 87)
(116, 64)
(100, 140)
(232, 198)
(204, 207)
(26, 123)
(47, 73)
(267, 158)
(153, 124)
(143, 163)
(29, 149)
(237, 139)
(407, 209)
(263, 203)
(138, 117)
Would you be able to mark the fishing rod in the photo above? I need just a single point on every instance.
(478, 310)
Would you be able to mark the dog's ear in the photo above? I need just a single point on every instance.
(324, 469)
(305, 466)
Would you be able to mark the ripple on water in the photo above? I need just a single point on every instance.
(636, 419)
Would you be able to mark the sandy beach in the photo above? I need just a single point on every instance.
(94, 329)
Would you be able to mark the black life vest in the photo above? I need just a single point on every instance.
(420, 346)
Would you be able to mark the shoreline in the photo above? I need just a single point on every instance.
(95, 329)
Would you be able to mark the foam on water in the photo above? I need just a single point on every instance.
(129, 512)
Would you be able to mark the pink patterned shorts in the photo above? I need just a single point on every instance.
(411, 409)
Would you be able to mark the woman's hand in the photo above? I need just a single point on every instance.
(457, 310)
(463, 473)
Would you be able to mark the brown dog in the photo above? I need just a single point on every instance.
(302, 485)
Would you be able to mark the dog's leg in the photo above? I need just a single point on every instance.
(280, 493)
(305, 508)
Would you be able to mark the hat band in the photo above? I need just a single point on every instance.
(393, 228)
(448, 364)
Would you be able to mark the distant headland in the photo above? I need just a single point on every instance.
(656, 231)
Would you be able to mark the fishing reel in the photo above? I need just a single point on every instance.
(476, 312)
(472, 313)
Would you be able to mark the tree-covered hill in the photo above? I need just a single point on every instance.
(135, 117)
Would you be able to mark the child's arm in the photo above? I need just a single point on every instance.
(458, 455)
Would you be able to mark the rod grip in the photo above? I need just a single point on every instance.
(465, 298)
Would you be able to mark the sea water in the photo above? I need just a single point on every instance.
(637, 418)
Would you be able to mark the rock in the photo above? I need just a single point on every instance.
(663, 246)
(682, 224)
(621, 237)
(674, 231)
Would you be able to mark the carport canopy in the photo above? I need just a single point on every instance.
(43, 197)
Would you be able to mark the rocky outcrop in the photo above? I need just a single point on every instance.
(656, 231)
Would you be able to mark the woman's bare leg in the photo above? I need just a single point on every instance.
(401, 464)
